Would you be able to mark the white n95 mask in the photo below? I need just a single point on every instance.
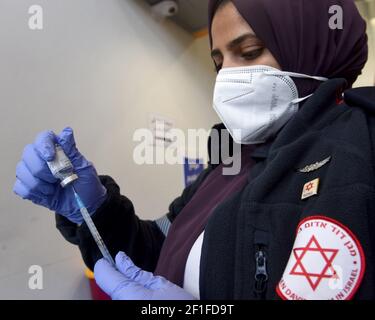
(255, 102)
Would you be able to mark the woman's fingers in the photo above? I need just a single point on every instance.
(66, 141)
(126, 266)
(117, 285)
(24, 192)
(44, 145)
(37, 165)
(20, 189)
(34, 185)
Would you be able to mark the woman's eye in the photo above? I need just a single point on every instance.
(252, 54)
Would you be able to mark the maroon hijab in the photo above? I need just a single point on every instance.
(298, 35)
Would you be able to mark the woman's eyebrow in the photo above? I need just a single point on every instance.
(236, 42)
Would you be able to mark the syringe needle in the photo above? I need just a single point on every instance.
(62, 169)
(94, 232)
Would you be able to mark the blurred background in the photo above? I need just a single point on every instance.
(103, 68)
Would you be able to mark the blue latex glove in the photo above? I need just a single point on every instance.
(129, 282)
(35, 182)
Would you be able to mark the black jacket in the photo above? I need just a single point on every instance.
(261, 221)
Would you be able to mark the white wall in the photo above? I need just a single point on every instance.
(100, 67)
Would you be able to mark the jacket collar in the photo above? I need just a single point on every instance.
(261, 151)
(317, 112)
(361, 97)
(326, 92)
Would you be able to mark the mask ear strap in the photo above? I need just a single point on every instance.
(295, 75)
(295, 101)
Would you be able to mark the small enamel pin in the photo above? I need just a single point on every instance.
(310, 189)
(315, 166)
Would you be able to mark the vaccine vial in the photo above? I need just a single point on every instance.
(62, 168)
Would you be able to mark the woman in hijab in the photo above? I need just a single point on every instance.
(284, 70)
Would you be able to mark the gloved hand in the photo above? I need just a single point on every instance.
(129, 282)
(35, 182)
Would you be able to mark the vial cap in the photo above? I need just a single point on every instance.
(68, 180)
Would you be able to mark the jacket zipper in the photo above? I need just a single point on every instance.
(261, 273)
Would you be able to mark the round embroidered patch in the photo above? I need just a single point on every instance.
(327, 262)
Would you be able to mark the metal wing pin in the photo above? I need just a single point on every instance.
(315, 166)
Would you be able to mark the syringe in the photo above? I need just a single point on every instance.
(95, 233)
(62, 168)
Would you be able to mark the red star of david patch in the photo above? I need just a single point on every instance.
(328, 256)
(327, 262)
